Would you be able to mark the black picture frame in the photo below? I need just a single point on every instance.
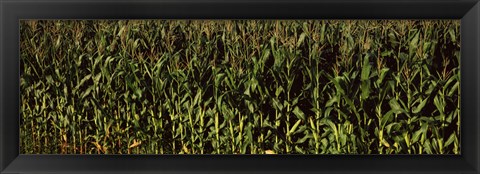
(11, 11)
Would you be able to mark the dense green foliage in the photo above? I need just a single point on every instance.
(240, 87)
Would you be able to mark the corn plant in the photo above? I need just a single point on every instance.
(240, 86)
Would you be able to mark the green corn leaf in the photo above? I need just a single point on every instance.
(454, 89)
(322, 33)
(299, 113)
(197, 97)
(439, 104)
(413, 44)
(416, 136)
(332, 100)
(365, 88)
(451, 32)
(266, 54)
(303, 139)
(301, 39)
(396, 108)
(426, 47)
(87, 92)
(87, 77)
(365, 69)
(386, 118)
(277, 104)
(301, 129)
(138, 93)
(294, 127)
(406, 137)
(272, 43)
(336, 81)
(383, 73)
(219, 78)
(420, 106)
(450, 140)
(97, 77)
(392, 127)
(278, 91)
(251, 108)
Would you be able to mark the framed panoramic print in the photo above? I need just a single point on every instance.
(239, 86)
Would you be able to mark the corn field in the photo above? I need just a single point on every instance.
(240, 86)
